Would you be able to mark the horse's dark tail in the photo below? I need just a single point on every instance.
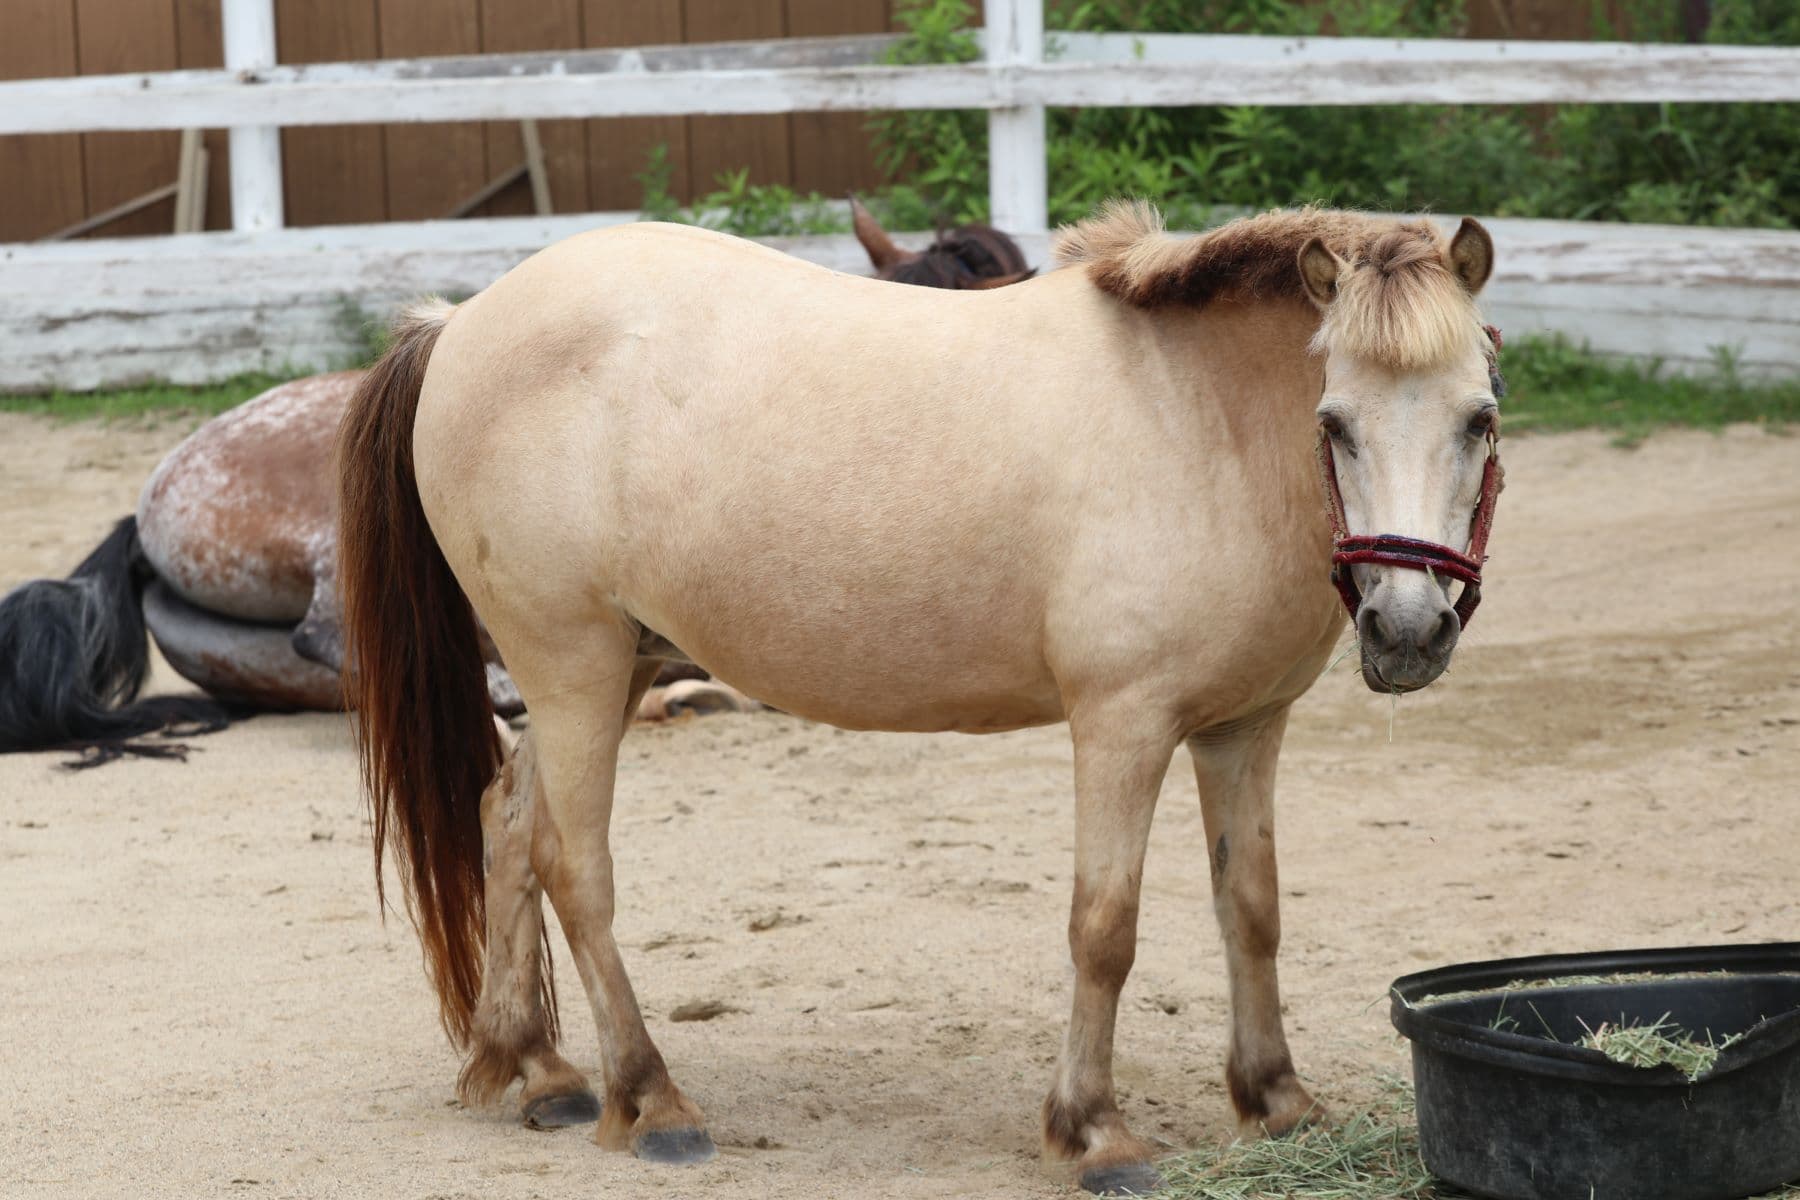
(73, 656)
(413, 673)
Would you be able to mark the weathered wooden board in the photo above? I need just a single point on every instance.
(514, 28)
(431, 167)
(336, 175)
(200, 307)
(118, 35)
(832, 149)
(619, 150)
(40, 38)
(1092, 70)
(200, 43)
(759, 144)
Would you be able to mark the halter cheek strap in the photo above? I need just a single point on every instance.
(1394, 550)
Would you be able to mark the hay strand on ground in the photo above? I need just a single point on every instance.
(1373, 1154)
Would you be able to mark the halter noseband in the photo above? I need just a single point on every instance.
(1394, 550)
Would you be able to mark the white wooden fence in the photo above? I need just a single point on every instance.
(105, 312)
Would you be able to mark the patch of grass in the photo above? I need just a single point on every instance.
(1373, 1154)
(1555, 385)
(1369, 1155)
(155, 399)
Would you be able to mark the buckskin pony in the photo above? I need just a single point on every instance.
(1092, 497)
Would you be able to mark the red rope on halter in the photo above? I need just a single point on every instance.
(1394, 550)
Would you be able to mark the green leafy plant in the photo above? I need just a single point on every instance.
(941, 153)
(765, 210)
(1720, 164)
(737, 206)
(659, 202)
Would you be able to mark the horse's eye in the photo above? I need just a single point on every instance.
(1482, 423)
(1333, 427)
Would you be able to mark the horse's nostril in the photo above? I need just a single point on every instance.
(1442, 636)
(1373, 628)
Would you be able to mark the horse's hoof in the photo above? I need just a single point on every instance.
(559, 1112)
(1125, 1179)
(682, 1147)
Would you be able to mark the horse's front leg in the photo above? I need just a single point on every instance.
(1236, 772)
(1119, 769)
(513, 1035)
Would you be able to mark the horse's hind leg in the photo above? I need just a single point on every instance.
(514, 1030)
(237, 660)
(1236, 772)
(581, 698)
(320, 635)
(1119, 768)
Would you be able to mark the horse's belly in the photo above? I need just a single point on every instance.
(861, 694)
(904, 657)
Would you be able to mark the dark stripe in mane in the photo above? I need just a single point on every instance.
(1397, 299)
(1128, 255)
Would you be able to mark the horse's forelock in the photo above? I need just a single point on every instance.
(1399, 303)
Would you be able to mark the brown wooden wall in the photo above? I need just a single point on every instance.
(409, 172)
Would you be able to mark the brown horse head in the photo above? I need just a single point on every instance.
(967, 258)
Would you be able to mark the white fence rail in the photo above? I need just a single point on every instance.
(202, 305)
(1097, 70)
(197, 307)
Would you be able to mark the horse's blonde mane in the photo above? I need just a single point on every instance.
(1399, 301)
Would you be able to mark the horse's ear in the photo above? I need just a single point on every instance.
(1472, 254)
(880, 247)
(998, 281)
(1319, 271)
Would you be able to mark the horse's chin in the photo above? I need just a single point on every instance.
(1371, 673)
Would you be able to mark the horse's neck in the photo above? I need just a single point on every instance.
(1256, 374)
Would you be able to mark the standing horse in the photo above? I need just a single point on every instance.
(1114, 521)
(1089, 498)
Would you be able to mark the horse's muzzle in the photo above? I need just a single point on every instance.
(1404, 652)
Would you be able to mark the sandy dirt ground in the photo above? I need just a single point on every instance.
(198, 997)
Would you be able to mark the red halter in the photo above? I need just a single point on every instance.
(1393, 550)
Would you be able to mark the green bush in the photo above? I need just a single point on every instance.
(1722, 164)
(738, 206)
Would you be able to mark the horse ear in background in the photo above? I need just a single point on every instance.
(967, 258)
(73, 656)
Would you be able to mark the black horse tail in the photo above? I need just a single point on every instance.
(73, 656)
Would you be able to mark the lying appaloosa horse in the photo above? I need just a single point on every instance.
(231, 562)
(833, 494)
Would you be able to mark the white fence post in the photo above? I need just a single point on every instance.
(255, 149)
(1018, 175)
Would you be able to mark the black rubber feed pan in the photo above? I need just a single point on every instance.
(1506, 1114)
